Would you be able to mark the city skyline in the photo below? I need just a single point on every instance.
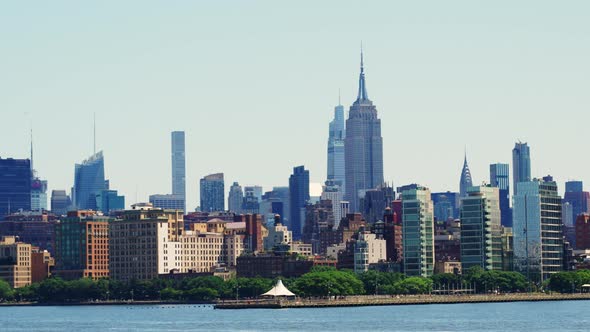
(512, 87)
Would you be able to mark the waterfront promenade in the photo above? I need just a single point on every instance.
(379, 300)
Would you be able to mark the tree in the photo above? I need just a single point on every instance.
(6, 292)
(328, 283)
(170, 293)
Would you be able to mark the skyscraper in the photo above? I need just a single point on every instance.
(235, 198)
(336, 147)
(89, 182)
(446, 205)
(363, 146)
(466, 180)
(499, 177)
(212, 193)
(299, 196)
(15, 185)
(418, 232)
(60, 202)
(577, 197)
(521, 162)
(179, 166)
(481, 232)
(251, 200)
(538, 236)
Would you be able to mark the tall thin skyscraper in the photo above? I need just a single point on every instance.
(521, 162)
(466, 180)
(179, 166)
(363, 146)
(89, 182)
(499, 177)
(299, 196)
(336, 147)
(212, 193)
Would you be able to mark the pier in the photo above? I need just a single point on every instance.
(382, 300)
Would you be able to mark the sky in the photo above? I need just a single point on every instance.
(254, 83)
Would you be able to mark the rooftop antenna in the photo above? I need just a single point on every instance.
(94, 133)
(339, 103)
(32, 146)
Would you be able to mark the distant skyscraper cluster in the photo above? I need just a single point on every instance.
(359, 222)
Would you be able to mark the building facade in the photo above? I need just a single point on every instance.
(145, 242)
(363, 146)
(108, 201)
(537, 231)
(212, 193)
(82, 245)
(481, 229)
(168, 202)
(418, 232)
(15, 262)
(15, 185)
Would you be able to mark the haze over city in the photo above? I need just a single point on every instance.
(254, 86)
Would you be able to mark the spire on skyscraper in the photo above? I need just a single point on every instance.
(466, 180)
(362, 95)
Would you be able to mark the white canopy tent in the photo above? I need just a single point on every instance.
(279, 290)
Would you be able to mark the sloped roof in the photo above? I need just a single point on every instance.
(279, 290)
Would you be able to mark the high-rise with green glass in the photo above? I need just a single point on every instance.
(538, 234)
(481, 229)
(418, 232)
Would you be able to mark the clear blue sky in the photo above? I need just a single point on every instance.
(254, 83)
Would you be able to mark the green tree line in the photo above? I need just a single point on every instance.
(320, 282)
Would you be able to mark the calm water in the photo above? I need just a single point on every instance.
(539, 316)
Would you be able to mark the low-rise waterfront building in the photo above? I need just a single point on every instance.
(15, 262)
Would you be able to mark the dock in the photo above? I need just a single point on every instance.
(383, 300)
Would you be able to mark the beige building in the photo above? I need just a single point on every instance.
(303, 249)
(277, 235)
(15, 262)
(368, 250)
(145, 242)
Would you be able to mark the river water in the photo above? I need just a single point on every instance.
(521, 316)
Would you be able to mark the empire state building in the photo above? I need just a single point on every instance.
(363, 146)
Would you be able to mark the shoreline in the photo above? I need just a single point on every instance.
(103, 303)
(349, 301)
(368, 300)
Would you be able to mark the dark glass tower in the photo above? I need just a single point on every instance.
(89, 182)
(212, 193)
(499, 177)
(15, 185)
(363, 146)
(299, 196)
(521, 162)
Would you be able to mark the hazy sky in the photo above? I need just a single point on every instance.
(254, 83)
